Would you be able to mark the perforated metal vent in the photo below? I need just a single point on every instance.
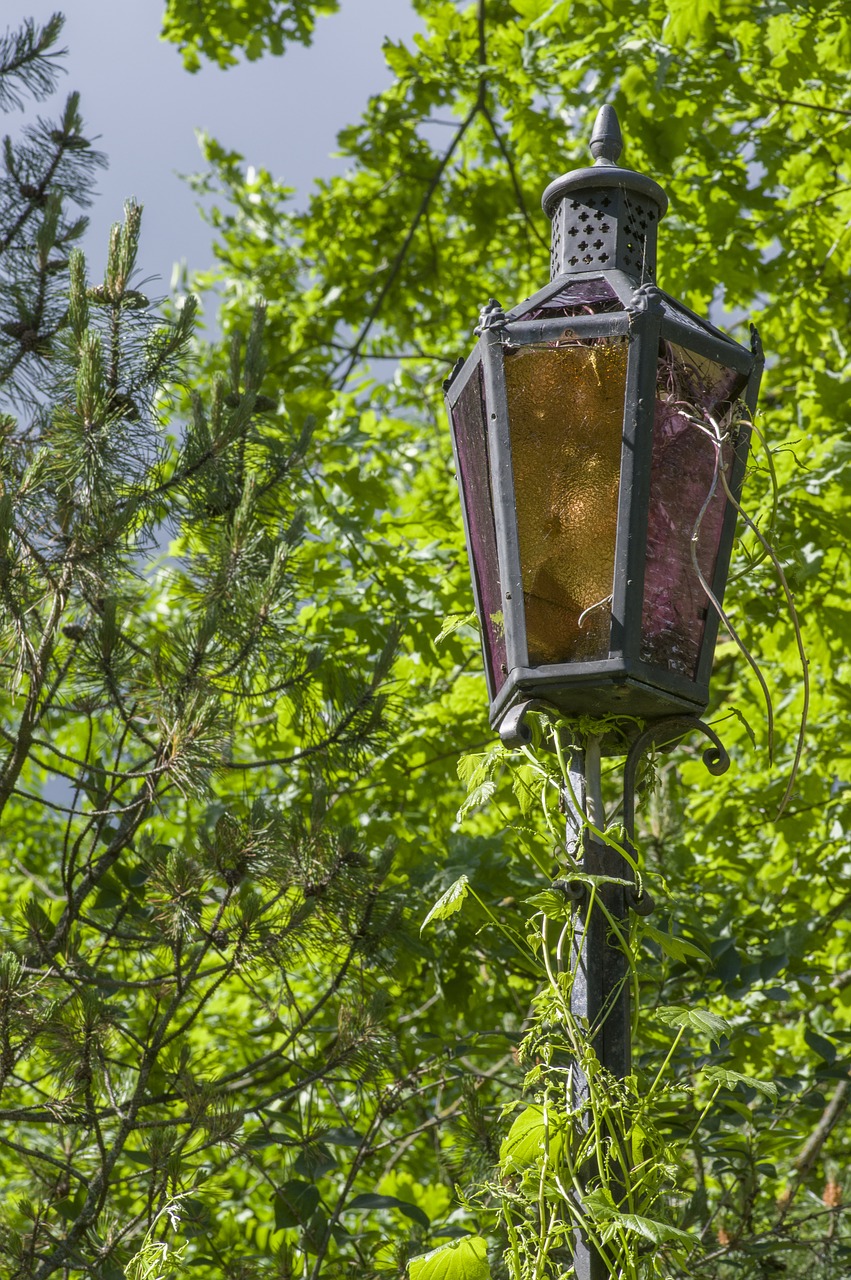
(605, 229)
(588, 232)
(638, 241)
(555, 251)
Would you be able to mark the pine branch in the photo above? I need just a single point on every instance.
(26, 62)
(30, 716)
(99, 1185)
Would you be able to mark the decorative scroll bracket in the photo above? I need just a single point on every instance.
(667, 733)
(515, 732)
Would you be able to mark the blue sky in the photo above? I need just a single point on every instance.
(280, 113)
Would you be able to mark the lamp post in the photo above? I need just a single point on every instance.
(601, 431)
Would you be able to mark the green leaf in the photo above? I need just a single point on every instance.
(839, 1070)
(677, 948)
(554, 905)
(313, 1232)
(370, 1200)
(709, 1024)
(535, 1133)
(650, 1228)
(453, 622)
(465, 1259)
(341, 1136)
(823, 1047)
(729, 1080)
(477, 798)
(295, 1202)
(449, 902)
(138, 1157)
(526, 785)
(477, 770)
(315, 1160)
(600, 1207)
(110, 895)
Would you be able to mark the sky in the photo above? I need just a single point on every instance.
(282, 114)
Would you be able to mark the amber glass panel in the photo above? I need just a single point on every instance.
(694, 416)
(468, 422)
(565, 408)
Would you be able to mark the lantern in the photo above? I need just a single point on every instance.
(600, 431)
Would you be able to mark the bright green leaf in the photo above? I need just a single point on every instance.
(465, 1259)
(449, 902)
(708, 1024)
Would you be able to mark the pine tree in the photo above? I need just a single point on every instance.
(44, 174)
(190, 941)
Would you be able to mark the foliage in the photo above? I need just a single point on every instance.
(44, 172)
(220, 27)
(594, 1158)
(245, 735)
(197, 944)
(743, 113)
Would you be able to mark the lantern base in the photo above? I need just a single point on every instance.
(630, 698)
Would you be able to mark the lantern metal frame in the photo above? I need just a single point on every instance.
(623, 682)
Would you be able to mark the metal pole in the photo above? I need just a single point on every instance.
(600, 993)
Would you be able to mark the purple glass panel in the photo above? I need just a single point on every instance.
(471, 443)
(584, 298)
(696, 408)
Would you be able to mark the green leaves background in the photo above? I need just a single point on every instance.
(743, 112)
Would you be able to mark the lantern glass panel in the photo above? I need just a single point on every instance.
(471, 443)
(582, 298)
(565, 409)
(695, 412)
(673, 310)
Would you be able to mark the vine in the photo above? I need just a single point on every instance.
(587, 1161)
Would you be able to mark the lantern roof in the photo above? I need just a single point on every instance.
(605, 217)
(610, 291)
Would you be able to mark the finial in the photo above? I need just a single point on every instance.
(594, 189)
(606, 138)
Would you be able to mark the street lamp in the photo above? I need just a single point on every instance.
(601, 432)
